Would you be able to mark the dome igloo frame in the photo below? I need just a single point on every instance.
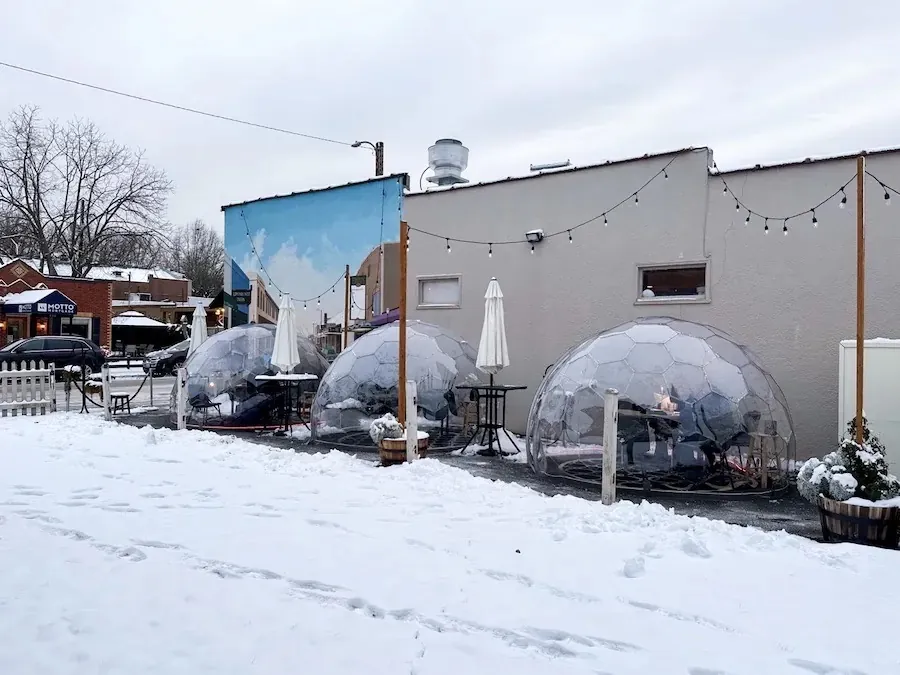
(697, 412)
(362, 385)
(222, 390)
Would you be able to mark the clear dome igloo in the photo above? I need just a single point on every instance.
(697, 411)
(222, 389)
(362, 385)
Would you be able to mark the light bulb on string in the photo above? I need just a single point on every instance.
(448, 246)
(815, 221)
(724, 188)
(766, 228)
(570, 236)
(605, 221)
(665, 174)
(636, 200)
(843, 199)
(737, 205)
(532, 249)
(747, 219)
(784, 227)
(490, 250)
(304, 304)
(887, 197)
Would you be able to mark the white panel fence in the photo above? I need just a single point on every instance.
(27, 388)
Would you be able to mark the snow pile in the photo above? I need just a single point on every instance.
(386, 426)
(132, 550)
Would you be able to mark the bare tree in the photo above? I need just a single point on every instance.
(198, 252)
(77, 196)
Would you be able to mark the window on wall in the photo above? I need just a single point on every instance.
(440, 292)
(681, 282)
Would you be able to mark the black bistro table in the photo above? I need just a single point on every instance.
(494, 397)
(290, 382)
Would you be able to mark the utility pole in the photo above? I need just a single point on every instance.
(379, 154)
(379, 158)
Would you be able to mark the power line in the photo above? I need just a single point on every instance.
(173, 106)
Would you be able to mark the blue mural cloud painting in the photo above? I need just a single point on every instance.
(301, 243)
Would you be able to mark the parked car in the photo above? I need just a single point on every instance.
(166, 361)
(60, 351)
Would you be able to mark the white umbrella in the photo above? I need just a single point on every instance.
(286, 354)
(198, 329)
(493, 354)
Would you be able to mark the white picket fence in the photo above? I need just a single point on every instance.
(27, 388)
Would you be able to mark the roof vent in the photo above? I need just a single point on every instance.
(448, 158)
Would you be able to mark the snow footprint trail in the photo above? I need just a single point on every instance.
(431, 552)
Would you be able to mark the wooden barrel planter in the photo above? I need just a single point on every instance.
(856, 524)
(393, 450)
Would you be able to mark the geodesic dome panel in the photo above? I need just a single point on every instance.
(362, 382)
(221, 385)
(696, 410)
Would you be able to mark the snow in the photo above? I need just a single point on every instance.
(859, 501)
(131, 550)
(27, 297)
(512, 453)
(133, 274)
(137, 319)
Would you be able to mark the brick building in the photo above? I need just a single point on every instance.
(79, 307)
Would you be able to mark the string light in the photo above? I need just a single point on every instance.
(884, 186)
(739, 205)
(532, 249)
(568, 231)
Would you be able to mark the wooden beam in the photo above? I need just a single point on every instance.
(401, 348)
(860, 291)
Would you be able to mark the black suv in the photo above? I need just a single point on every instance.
(166, 361)
(60, 351)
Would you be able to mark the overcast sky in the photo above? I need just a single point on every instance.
(518, 82)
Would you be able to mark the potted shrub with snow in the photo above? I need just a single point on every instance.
(856, 494)
(390, 437)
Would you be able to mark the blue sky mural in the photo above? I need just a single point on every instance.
(303, 241)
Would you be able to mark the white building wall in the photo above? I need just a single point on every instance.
(791, 299)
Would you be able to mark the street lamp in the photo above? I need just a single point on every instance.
(379, 154)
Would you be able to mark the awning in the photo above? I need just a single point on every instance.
(137, 319)
(387, 317)
(47, 301)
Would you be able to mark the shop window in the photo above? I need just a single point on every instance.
(440, 292)
(675, 283)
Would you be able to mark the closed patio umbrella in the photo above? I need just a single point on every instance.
(286, 354)
(198, 329)
(493, 354)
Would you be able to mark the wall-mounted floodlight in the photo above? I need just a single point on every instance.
(534, 236)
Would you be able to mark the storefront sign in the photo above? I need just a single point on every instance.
(242, 296)
(53, 303)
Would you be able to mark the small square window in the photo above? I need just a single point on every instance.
(440, 292)
(677, 283)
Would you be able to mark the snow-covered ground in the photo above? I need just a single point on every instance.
(129, 550)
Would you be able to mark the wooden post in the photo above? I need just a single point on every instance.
(401, 347)
(412, 425)
(346, 307)
(610, 446)
(107, 398)
(860, 290)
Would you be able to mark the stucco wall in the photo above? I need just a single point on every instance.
(792, 299)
